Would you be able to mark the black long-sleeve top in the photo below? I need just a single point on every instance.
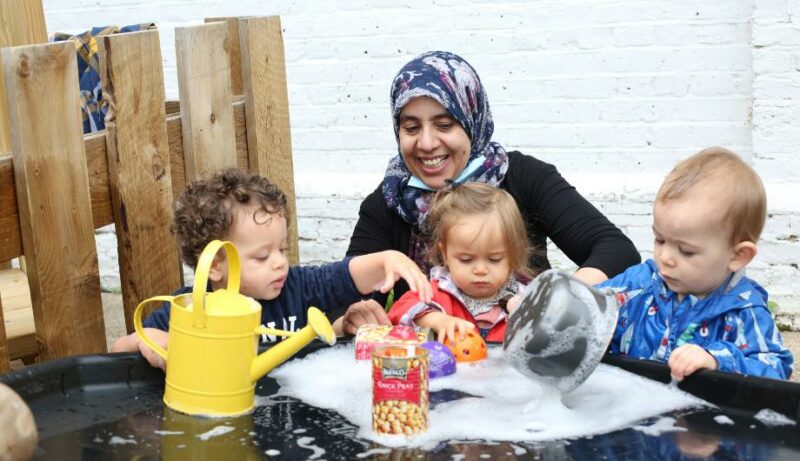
(550, 206)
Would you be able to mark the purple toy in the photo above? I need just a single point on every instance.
(441, 362)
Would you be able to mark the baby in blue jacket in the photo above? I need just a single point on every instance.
(692, 305)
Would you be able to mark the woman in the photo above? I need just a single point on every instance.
(443, 127)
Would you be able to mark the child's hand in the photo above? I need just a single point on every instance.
(366, 312)
(445, 326)
(689, 358)
(513, 303)
(397, 265)
(132, 343)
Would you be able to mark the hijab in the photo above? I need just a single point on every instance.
(452, 82)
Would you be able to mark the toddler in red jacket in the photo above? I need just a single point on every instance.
(480, 251)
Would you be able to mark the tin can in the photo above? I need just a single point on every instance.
(399, 390)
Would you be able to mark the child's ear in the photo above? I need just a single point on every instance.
(442, 254)
(743, 253)
(217, 270)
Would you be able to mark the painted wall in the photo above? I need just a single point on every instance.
(612, 92)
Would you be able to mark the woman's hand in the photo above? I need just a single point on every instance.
(445, 326)
(367, 312)
(513, 303)
(132, 343)
(590, 275)
(689, 358)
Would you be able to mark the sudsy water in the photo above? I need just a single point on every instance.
(501, 404)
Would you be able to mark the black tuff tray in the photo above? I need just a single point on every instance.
(109, 407)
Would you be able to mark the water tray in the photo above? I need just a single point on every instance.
(109, 407)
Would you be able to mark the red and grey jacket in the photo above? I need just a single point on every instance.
(447, 298)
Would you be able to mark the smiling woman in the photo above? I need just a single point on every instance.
(434, 146)
(444, 126)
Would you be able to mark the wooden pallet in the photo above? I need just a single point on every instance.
(58, 185)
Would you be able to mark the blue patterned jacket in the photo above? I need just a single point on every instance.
(732, 323)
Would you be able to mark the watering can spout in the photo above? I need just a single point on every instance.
(318, 326)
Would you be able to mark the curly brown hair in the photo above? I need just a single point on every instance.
(207, 208)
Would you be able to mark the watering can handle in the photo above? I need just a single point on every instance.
(137, 325)
(201, 277)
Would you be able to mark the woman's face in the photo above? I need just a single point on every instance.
(434, 145)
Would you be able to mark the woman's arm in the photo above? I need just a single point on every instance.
(591, 275)
(553, 206)
(377, 229)
(374, 229)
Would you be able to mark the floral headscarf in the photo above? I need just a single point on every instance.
(452, 82)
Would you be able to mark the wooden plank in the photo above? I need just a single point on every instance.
(139, 168)
(10, 239)
(234, 51)
(205, 93)
(176, 163)
(240, 127)
(19, 324)
(172, 106)
(53, 196)
(21, 23)
(267, 110)
(97, 166)
(4, 365)
(95, 145)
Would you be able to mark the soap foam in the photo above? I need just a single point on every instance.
(773, 418)
(660, 426)
(215, 432)
(506, 405)
(722, 419)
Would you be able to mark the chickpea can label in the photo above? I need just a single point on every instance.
(400, 390)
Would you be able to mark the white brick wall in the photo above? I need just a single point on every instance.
(612, 92)
(776, 137)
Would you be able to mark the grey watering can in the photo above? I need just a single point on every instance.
(560, 330)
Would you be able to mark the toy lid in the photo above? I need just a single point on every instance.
(225, 303)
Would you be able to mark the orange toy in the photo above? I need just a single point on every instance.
(470, 349)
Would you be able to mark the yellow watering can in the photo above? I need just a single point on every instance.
(212, 366)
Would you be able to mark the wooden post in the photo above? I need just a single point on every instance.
(9, 218)
(234, 52)
(19, 323)
(267, 110)
(209, 142)
(53, 197)
(21, 23)
(139, 167)
(7, 226)
(4, 365)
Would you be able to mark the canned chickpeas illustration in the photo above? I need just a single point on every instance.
(399, 390)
